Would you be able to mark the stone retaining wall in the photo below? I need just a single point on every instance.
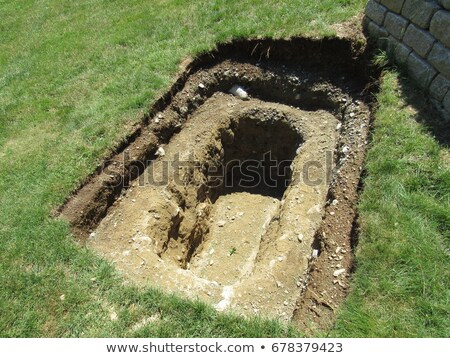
(416, 35)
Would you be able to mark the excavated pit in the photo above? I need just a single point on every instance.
(246, 204)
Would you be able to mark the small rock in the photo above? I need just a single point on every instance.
(160, 152)
(201, 85)
(62, 297)
(315, 253)
(284, 237)
(221, 223)
(300, 237)
(345, 149)
(334, 202)
(338, 272)
(339, 125)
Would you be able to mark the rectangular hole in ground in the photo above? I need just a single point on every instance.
(255, 185)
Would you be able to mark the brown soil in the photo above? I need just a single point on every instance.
(250, 250)
(352, 28)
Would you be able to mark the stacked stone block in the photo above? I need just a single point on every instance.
(416, 35)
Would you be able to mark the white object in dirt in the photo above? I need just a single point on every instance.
(227, 294)
(338, 272)
(160, 152)
(238, 91)
(315, 253)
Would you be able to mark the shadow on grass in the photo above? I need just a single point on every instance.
(424, 111)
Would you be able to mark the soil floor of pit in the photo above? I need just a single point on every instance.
(237, 222)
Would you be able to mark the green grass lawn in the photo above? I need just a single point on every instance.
(74, 77)
(401, 286)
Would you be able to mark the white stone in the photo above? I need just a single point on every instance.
(338, 272)
(345, 149)
(160, 152)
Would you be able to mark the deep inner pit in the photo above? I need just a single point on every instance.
(248, 205)
(258, 155)
(243, 162)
